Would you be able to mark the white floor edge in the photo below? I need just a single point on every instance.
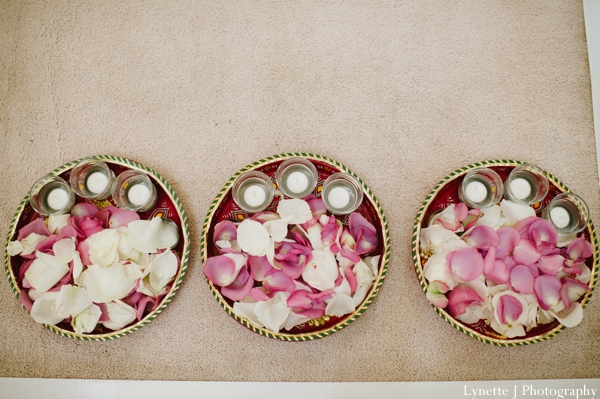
(92, 389)
(591, 10)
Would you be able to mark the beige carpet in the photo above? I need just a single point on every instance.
(401, 92)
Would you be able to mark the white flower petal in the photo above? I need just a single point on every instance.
(491, 216)
(45, 272)
(360, 294)
(278, 228)
(314, 236)
(105, 284)
(273, 313)
(340, 305)
(253, 238)
(104, 247)
(141, 232)
(41, 310)
(434, 235)
(14, 248)
(163, 268)
(436, 269)
(572, 317)
(344, 287)
(294, 320)
(71, 301)
(164, 234)
(77, 266)
(126, 243)
(57, 222)
(374, 262)
(120, 315)
(30, 243)
(64, 249)
(322, 271)
(246, 309)
(297, 208)
(87, 320)
(514, 212)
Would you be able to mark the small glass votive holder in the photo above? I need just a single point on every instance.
(481, 188)
(51, 195)
(568, 213)
(253, 191)
(91, 178)
(133, 190)
(296, 177)
(526, 184)
(342, 193)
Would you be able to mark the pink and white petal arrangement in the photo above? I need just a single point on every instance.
(282, 269)
(505, 266)
(94, 270)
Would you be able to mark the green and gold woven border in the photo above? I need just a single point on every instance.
(178, 278)
(443, 314)
(376, 285)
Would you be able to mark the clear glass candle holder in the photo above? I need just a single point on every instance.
(568, 213)
(526, 184)
(342, 193)
(134, 191)
(51, 195)
(481, 188)
(296, 177)
(92, 178)
(253, 191)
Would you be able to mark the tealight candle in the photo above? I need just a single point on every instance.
(297, 182)
(138, 194)
(520, 188)
(255, 195)
(96, 182)
(560, 217)
(476, 191)
(338, 197)
(57, 199)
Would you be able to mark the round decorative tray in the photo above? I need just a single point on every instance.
(446, 193)
(167, 205)
(224, 208)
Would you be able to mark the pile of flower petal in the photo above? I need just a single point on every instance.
(509, 268)
(94, 266)
(283, 269)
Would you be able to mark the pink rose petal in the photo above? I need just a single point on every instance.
(299, 300)
(465, 264)
(551, 264)
(460, 298)
(84, 209)
(509, 309)
(525, 253)
(240, 288)
(363, 232)
(277, 280)
(219, 270)
(259, 267)
(572, 290)
(435, 294)
(225, 231)
(580, 249)
(482, 237)
(547, 291)
(508, 237)
(499, 274)
(351, 280)
(542, 232)
(522, 226)
(521, 279)
(84, 251)
(258, 294)
(489, 260)
(37, 226)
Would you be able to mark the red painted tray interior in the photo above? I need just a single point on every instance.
(448, 195)
(164, 207)
(228, 210)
